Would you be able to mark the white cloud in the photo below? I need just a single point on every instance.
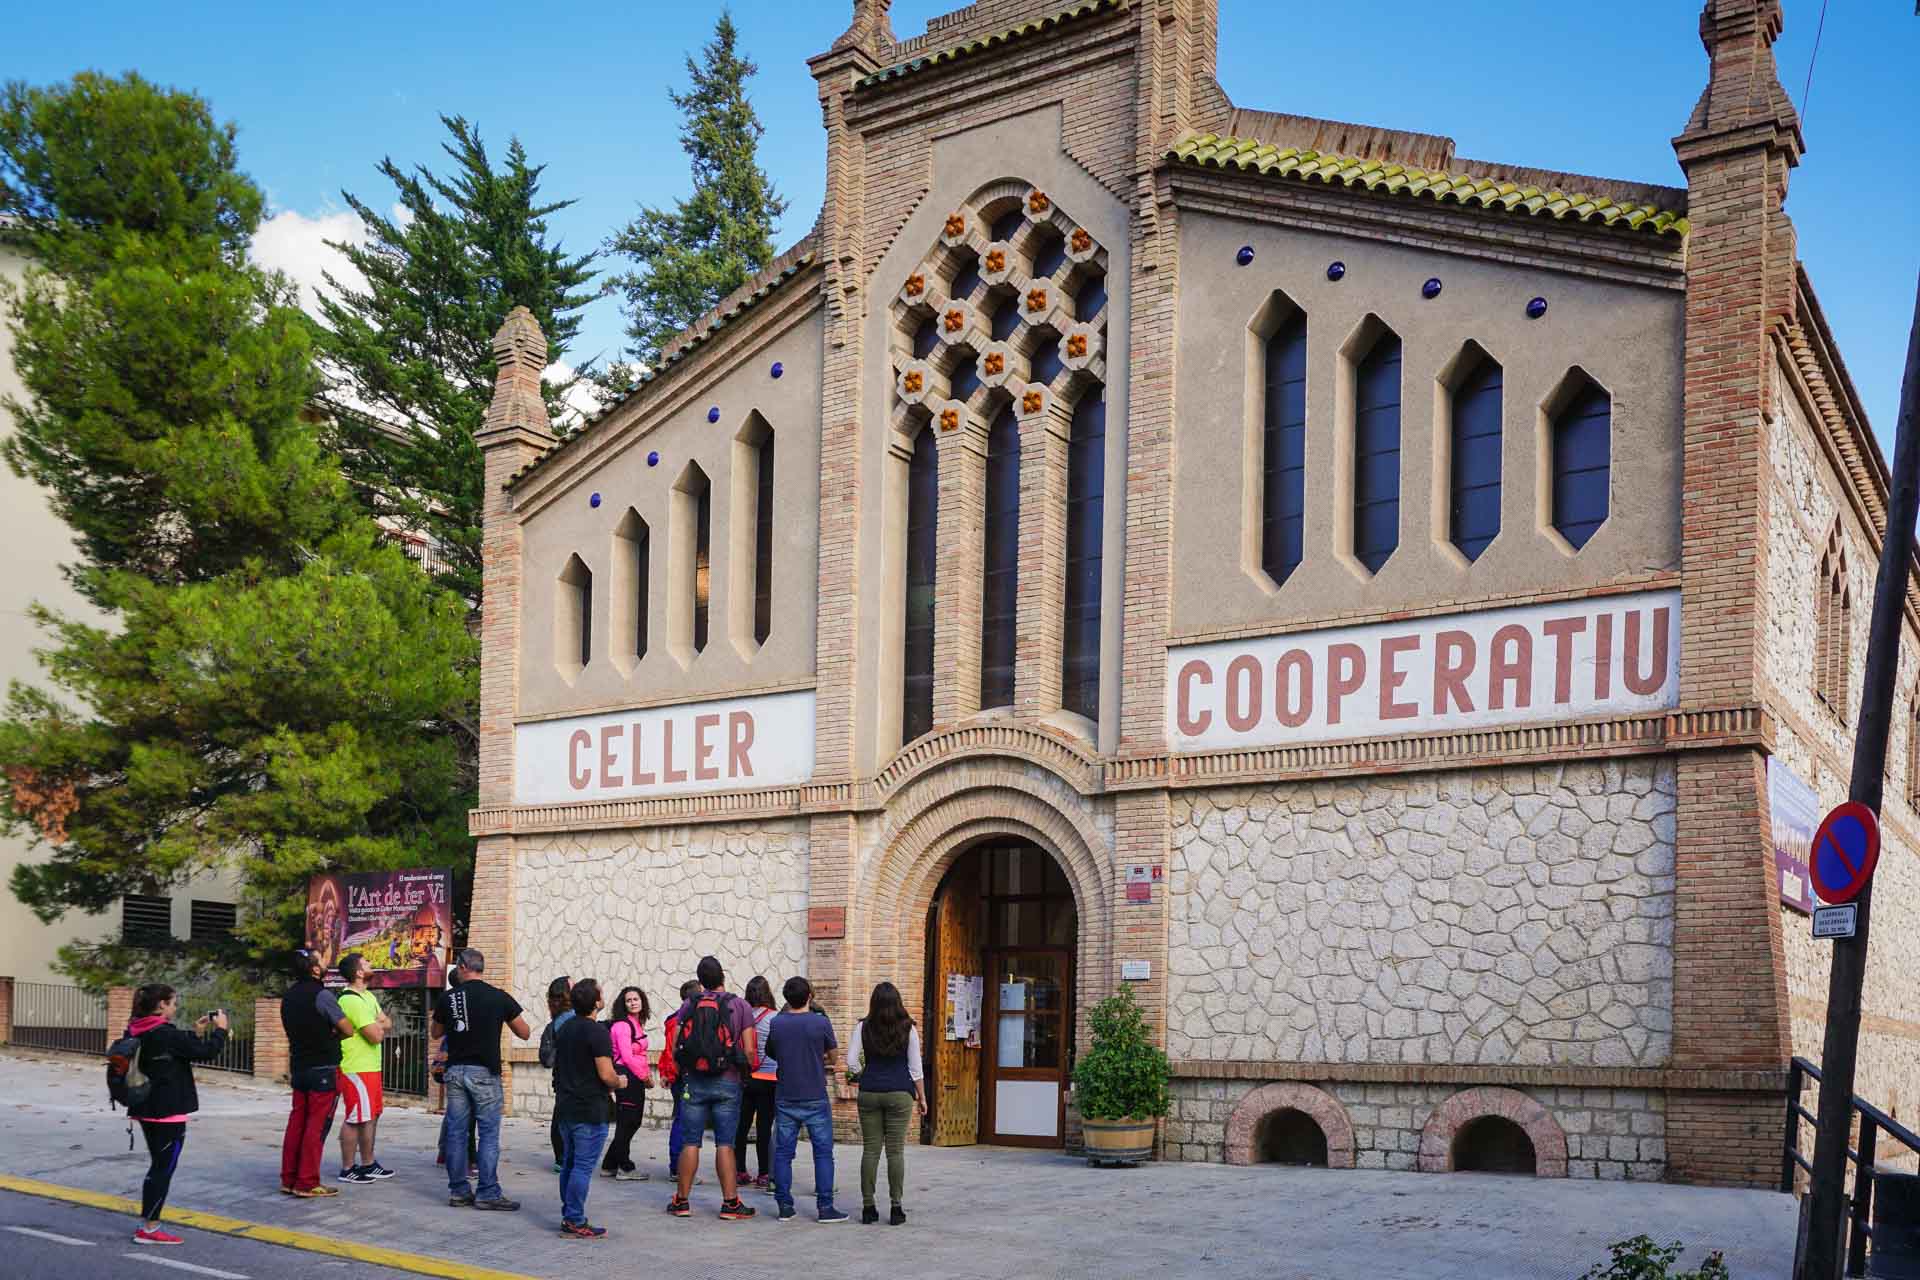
(292, 242)
(581, 403)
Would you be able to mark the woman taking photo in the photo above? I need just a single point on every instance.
(885, 1054)
(167, 1055)
(628, 1027)
(756, 1092)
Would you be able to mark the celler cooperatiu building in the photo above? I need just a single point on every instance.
(1381, 606)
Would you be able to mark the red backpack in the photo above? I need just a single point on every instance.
(707, 1045)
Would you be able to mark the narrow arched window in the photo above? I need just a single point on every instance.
(1283, 466)
(1000, 583)
(1582, 464)
(763, 543)
(632, 566)
(1376, 454)
(1913, 755)
(576, 613)
(1474, 514)
(1086, 491)
(1832, 623)
(702, 565)
(923, 513)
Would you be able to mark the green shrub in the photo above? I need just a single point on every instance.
(1641, 1259)
(1124, 1075)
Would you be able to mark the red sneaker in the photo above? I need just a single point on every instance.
(154, 1235)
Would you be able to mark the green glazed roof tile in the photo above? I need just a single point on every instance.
(979, 44)
(1478, 191)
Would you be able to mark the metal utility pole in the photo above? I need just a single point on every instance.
(1840, 1052)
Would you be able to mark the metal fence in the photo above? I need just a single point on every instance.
(403, 1058)
(1869, 1122)
(52, 1015)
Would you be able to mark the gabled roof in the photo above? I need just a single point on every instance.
(980, 44)
(742, 300)
(1478, 191)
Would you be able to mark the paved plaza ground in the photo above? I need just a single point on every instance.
(976, 1212)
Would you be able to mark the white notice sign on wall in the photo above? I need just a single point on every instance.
(1608, 655)
(728, 744)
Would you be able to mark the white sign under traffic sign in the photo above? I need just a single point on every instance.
(1836, 922)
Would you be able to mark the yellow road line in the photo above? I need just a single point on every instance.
(418, 1263)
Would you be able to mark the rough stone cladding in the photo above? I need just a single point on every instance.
(1609, 1133)
(1807, 502)
(1520, 915)
(640, 906)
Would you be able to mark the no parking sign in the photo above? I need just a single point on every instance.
(1845, 851)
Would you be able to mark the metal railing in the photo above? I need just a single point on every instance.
(403, 1057)
(53, 1015)
(1872, 1122)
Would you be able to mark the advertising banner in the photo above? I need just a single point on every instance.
(1795, 811)
(1609, 655)
(401, 922)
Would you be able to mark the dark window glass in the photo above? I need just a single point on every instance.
(1284, 459)
(1475, 513)
(967, 281)
(576, 586)
(1090, 298)
(1007, 225)
(925, 338)
(1582, 444)
(146, 920)
(763, 545)
(1046, 361)
(702, 564)
(1376, 454)
(1086, 489)
(212, 920)
(966, 378)
(1001, 580)
(1006, 318)
(1048, 257)
(642, 570)
(923, 512)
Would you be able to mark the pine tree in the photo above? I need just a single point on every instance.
(410, 356)
(256, 694)
(711, 243)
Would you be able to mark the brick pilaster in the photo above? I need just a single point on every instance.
(959, 569)
(1041, 617)
(119, 1010)
(271, 1057)
(6, 1010)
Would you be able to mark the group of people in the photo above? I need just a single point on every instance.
(736, 1065)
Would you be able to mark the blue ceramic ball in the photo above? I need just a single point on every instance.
(713, 414)
(1245, 256)
(1536, 307)
(778, 369)
(653, 458)
(594, 501)
(1336, 270)
(1431, 289)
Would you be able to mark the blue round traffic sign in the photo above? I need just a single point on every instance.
(1844, 853)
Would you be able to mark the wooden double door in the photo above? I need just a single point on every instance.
(1005, 917)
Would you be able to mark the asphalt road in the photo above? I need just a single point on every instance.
(48, 1240)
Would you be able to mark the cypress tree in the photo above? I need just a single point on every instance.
(690, 257)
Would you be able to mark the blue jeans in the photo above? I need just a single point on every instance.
(787, 1119)
(581, 1145)
(673, 1137)
(708, 1102)
(472, 1091)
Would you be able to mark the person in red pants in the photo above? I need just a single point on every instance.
(315, 1025)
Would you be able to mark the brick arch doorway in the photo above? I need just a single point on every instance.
(1004, 914)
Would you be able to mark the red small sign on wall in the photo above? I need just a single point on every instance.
(826, 922)
(1140, 880)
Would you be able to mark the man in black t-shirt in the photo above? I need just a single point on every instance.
(583, 1080)
(471, 1016)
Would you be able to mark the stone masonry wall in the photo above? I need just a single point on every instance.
(1515, 915)
(641, 908)
(1611, 1133)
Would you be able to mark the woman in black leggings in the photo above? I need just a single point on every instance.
(756, 1092)
(167, 1055)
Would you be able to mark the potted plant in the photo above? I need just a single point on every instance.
(1120, 1084)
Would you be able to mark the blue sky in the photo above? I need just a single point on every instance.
(1589, 88)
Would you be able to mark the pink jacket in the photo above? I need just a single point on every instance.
(630, 1049)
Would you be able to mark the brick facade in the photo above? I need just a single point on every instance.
(1568, 926)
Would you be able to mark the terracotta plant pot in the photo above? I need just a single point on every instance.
(1118, 1141)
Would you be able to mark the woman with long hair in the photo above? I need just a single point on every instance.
(167, 1054)
(885, 1055)
(756, 1092)
(627, 1022)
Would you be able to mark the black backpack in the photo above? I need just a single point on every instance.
(706, 1045)
(127, 1084)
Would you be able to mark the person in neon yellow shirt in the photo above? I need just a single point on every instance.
(360, 1074)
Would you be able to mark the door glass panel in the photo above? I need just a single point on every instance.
(1031, 1012)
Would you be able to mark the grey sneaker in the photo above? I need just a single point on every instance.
(499, 1205)
(630, 1175)
(460, 1202)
